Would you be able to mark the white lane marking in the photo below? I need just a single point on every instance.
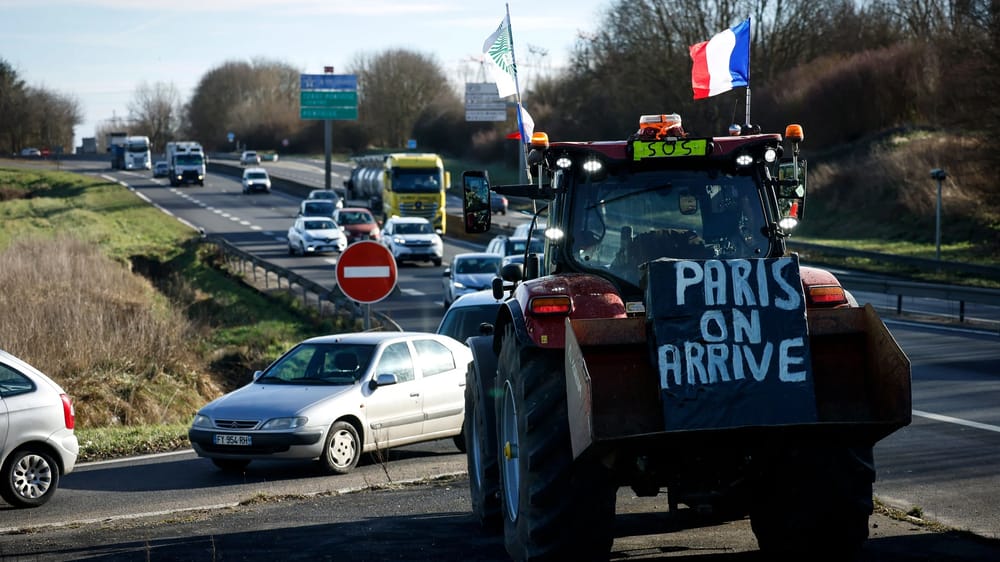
(413, 292)
(957, 421)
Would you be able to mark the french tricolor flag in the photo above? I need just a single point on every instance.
(721, 63)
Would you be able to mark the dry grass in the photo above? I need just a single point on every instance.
(100, 331)
(883, 191)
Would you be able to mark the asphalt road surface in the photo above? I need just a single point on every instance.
(429, 521)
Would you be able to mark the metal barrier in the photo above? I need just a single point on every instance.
(327, 301)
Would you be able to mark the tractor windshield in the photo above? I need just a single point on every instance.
(624, 220)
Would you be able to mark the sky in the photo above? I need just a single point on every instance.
(100, 51)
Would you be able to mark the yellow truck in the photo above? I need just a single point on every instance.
(401, 184)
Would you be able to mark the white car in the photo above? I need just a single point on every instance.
(256, 179)
(412, 239)
(161, 169)
(37, 443)
(465, 317)
(314, 235)
(249, 158)
(332, 398)
(467, 273)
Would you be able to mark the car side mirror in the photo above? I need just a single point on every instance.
(383, 379)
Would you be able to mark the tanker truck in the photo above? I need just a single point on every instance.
(667, 341)
(401, 184)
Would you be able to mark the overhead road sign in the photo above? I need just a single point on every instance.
(328, 82)
(328, 96)
(333, 98)
(483, 103)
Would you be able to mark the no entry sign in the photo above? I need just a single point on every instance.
(366, 272)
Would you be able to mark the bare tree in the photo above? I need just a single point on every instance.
(257, 101)
(155, 110)
(394, 88)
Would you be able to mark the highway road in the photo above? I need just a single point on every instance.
(944, 463)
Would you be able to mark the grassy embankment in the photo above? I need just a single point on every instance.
(120, 304)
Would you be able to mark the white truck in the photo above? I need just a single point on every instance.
(186, 161)
(138, 155)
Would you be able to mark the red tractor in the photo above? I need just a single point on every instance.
(666, 340)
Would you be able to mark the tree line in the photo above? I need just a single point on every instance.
(32, 116)
(843, 68)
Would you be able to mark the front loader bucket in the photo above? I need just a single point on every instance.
(861, 382)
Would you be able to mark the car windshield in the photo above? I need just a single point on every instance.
(319, 225)
(461, 322)
(625, 220)
(416, 180)
(517, 246)
(478, 265)
(320, 364)
(413, 228)
(256, 175)
(355, 217)
(190, 159)
(322, 195)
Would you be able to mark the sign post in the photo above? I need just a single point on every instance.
(366, 273)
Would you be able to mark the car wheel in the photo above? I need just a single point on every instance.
(30, 477)
(302, 249)
(291, 249)
(341, 450)
(231, 465)
(437, 262)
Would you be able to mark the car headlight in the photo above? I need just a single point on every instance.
(201, 421)
(285, 423)
(459, 285)
(401, 241)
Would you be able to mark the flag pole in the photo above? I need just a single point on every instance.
(750, 46)
(524, 170)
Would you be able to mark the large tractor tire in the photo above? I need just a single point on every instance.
(815, 500)
(553, 508)
(481, 450)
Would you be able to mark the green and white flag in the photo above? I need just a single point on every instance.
(499, 55)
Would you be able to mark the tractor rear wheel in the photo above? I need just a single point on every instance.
(553, 507)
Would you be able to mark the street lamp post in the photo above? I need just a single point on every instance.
(939, 175)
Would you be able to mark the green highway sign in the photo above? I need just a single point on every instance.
(328, 96)
(350, 113)
(317, 98)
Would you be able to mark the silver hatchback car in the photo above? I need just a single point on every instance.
(37, 443)
(335, 397)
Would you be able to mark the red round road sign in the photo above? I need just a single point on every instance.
(366, 272)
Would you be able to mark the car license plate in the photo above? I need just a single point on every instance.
(226, 439)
